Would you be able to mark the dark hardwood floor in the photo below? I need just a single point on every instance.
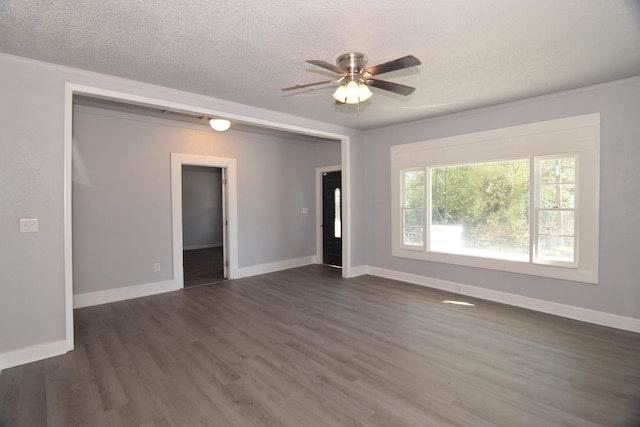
(202, 266)
(304, 347)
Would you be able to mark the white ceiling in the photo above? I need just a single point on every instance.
(474, 52)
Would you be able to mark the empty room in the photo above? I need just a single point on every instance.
(324, 214)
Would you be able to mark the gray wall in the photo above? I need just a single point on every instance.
(32, 265)
(122, 204)
(31, 186)
(619, 104)
(201, 207)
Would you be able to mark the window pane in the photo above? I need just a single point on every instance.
(559, 170)
(446, 238)
(412, 236)
(413, 227)
(556, 248)
(414, 178)
(481, 209)
(559, 223)
(413, 214)
(414, 193)
(414, 198)
(560, 196)
(337, 215)
(413, 217)
(556, 214)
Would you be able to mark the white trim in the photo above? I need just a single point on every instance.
(129, 98)
(67, 213)
(120, 294)
(32, 353)
(359, 270)
(346, 207)
(177, 161)
(255, 270)
(319, 235)
(524, 130)
(193, 247)
(577, 313)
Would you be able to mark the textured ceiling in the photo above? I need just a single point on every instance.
(474, 52)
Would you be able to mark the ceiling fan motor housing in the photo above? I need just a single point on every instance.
(353, 63)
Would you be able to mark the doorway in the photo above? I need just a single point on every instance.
(227, 168)
(332, 218)
(203, 217)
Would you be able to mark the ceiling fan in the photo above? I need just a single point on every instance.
(355, 79)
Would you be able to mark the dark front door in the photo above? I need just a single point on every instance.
(332, 218)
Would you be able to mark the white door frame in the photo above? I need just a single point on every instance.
(319, 213)
(229, 204)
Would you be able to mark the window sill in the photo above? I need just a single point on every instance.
(555, 272)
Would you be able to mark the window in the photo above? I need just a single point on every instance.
(521, 199)
(481, 209)
(556, 210)
(413, 203)
(337, 215)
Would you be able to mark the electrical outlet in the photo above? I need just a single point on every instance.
(156, 266)
(29, 225)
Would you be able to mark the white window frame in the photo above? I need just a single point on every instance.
(578, 135)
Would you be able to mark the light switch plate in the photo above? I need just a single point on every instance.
(29, 225)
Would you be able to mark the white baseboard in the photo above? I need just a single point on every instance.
(577, 313)
(255, 270)
(33, 353)
(358, 270)
(212, 245)
(119, 294)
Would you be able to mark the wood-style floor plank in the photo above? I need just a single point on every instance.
(305, 347)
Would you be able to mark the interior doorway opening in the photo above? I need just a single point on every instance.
(203, 225)
(228, 191)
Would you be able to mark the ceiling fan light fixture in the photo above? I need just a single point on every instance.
(340, 94)
(364, 92)
(219, 125)
(352, 92)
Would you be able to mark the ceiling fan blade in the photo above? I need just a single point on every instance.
(396, 64)
(309, 84)
(391, 87)
(326, 65)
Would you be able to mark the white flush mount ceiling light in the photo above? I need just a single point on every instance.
(355, 79)
(219, 125)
